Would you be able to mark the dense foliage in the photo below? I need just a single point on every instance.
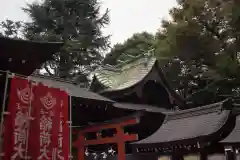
(203, 38)
(198, 49)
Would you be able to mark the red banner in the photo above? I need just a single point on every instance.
(37, 125)
(17, 122)
(47, 115)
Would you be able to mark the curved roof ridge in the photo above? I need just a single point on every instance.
(141, 59)
(119, 68)
(121, 78)
(108, 67)
(141, 56)
(215, 107)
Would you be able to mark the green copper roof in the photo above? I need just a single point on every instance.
(125, 76)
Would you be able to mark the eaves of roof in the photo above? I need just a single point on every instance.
(139, 107)
(198, 123)
(72, 89)
(24, 57)
(234, 136)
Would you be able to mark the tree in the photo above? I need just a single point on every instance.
(138, 44)
(198, 49)
(78, 24)
(11, 29)
(202, 44)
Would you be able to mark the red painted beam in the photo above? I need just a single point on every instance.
(131, 137)
(109, 126)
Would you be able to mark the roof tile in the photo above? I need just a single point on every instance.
(189, 124)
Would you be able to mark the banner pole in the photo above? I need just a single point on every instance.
(3, 112)
(29, 117)
(70, 126)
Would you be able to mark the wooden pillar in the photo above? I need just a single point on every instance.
(237, 154)
(81, 148)
(229, 152)
(121, 151)
(203, 155)
(121, 143)
(230, 155)
(177, 156)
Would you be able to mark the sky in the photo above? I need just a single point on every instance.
(126, 16)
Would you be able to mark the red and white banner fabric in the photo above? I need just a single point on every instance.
(47, 119)
(36, 112)
(17, 122)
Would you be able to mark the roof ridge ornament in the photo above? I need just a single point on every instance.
(148, 54)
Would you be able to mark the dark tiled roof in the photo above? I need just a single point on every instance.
(189, 124)
(121, 78)
(73, 89)
(145, 107)
(234, 136)
(24, 57)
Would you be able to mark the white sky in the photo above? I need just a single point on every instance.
(126, 16)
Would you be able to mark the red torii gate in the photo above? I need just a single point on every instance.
(119, 138)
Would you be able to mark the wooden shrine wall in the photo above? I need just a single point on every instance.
(131, 157)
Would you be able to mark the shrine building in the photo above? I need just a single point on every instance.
(131, 108)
